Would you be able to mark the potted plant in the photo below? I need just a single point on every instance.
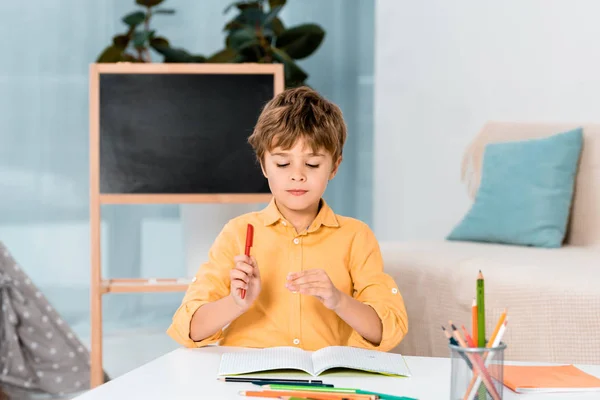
(255, 34)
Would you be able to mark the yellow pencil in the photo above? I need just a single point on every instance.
(497, 329)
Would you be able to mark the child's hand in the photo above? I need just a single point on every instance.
(315, 282)
(245, 275)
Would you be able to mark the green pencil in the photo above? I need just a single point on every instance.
(382, 396)
(480, 322)
(480, 310)
(310, 388)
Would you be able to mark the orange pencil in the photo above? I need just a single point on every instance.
(474, 326)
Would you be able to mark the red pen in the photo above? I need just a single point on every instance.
(249, 239)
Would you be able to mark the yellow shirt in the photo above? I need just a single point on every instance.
(344, 247)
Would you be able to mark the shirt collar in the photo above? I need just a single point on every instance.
(325, 217)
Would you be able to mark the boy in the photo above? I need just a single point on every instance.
(314, 278)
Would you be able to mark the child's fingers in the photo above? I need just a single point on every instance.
(314, 291)
(308, 272)
(242, 258)
(255, 265)
(237, 284)
(307, 279)
(310, 285)
(237, 274)
(246, 268)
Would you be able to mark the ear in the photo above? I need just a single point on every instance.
(334, 170)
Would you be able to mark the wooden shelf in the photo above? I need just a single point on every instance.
(183, 198)
(144, 285)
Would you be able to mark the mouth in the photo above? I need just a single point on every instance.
(297, 192)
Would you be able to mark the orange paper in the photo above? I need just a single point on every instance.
(564, 378)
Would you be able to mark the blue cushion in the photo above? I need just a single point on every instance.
(525, 193)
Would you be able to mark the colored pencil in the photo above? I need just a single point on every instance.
(293, 398)
(303, 398)
(303, 384)
(253, 380)
(478, 365)
(474, 324)
(497, 328)
(480, 310)
(249, 241)
(494, 341)
(310, 388)
(481, 320)
(384, 396)
(307, 394)
(336, 390)
(455, 343)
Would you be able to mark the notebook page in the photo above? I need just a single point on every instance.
(265, 360)
(359, 359)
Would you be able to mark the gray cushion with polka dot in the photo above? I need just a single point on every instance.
(38, 351)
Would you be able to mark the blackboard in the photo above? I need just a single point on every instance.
(180, 133)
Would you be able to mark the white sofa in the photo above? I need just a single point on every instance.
(552, 295)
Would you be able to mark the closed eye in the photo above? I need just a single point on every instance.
(282, 165)
(312, 165)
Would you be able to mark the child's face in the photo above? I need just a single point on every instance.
(298, 177)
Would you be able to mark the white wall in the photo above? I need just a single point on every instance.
(444, 68)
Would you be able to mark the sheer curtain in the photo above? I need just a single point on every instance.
(44, 159)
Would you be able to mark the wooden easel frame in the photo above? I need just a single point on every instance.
(100, 286)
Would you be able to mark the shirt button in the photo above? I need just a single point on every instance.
(296, 241)
(194, 279)
(296, 341)
(394, 290)
(284, 223)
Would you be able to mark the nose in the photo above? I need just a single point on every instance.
(298, 175)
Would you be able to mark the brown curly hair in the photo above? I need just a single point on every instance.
(299, 113)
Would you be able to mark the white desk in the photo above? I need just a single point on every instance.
(192, 374)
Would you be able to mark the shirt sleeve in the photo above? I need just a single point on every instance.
(372, 286)
(211, 283)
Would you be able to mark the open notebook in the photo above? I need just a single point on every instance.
(551, 379)
(314, 363)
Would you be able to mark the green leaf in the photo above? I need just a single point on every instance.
(275, 3)
(141, 37)
(174, 55)
(252, 51)
(134, 19)
(293, 73)
(158, 42)
(197, 58)
(301, 41)
(164, 11)
(148, 3)
(226, 55)
(130, 58)
(277, 26)
(251, 16)
(233, 25)
(240, 37)
(121, 41)
(111, 54)
(271, 15)
(243, 5)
